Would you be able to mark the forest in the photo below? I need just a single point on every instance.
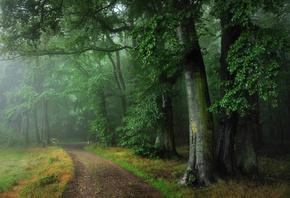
(150, 76)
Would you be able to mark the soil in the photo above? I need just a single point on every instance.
(98, 177)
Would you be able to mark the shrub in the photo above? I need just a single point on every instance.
(149, 151)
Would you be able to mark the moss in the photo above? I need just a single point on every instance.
(204, 114)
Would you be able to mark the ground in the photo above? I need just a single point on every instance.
(99, 177)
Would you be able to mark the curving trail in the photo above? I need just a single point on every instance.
(99, 177)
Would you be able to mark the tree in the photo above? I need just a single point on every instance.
(183, 48)
(201, 154)
(253, 64)
(226, 158)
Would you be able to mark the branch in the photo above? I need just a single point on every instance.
(62, 52)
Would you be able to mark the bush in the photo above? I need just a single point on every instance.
(149, 151)
(101, 132)
(8, 138)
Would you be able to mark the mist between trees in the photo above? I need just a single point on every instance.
(141, 73)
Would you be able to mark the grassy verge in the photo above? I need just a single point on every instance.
(164, 175)
(34, 172)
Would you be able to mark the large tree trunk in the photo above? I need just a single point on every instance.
(168, 133)
(201, 156)
(249, 133)
(249, 162)
(226, 158)
(286, 63)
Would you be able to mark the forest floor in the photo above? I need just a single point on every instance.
(98, 177)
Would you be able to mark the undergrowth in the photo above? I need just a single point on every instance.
(34, 172)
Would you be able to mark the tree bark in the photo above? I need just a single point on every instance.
(118, 77)
(201, 153)
(249, 160)
(168, 132)
(226, 158)
(36, 127)
(46, 136)
(286, 63)
(22, 128)
(120, 82)
(27, 128)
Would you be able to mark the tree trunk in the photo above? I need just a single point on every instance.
(119, 77)
(281, 128)
(226, 158)
(286, 63)
(37, 139)
(260, 134)
(168, 137)
(120, 83)
(201, 156)
(23, 122)
(249, 161)
(281, 132)
(27, 128)
(103, 108)
(42, 138)
(46, 136)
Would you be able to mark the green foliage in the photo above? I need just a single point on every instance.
(51, 160)
(7, 182)
(192, 179)
(8, 138)
(141, 127)
(11, 163)
(29, 189)
(149, 151)
(49, 179)
(255, 62)
(157, 39)
(100, 131)
(142, 120)
(253, 59)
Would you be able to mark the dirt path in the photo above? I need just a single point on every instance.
(99, 177)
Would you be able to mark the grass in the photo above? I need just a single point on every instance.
(34, 172)
(11, 162)
(164, 174)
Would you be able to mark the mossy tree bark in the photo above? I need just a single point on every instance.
(201, 153)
